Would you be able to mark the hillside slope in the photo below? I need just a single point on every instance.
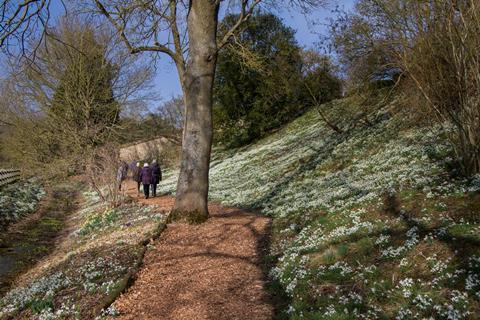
(368, 224)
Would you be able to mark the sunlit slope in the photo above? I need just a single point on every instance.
(367, 223)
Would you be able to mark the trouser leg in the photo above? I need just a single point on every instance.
(154, 189)
(138, 186)
(146, 190)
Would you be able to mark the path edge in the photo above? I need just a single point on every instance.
(129, 279)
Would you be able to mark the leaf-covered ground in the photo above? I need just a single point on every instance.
(203, 272)
(368, 224)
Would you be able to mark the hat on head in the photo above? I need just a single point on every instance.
(145, 164)
(154, 161)
(138, 164)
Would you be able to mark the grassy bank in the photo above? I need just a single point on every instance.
(30, 239)
(368, 224)
(96, 254)
(19, 199)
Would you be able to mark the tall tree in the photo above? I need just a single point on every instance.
(67, 103)
(187, 32)
(190, 30)
(258, 74)
(84, 99)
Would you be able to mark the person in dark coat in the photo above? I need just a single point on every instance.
(136, 175)
(157, 176)
(146, 178)
(122, 174)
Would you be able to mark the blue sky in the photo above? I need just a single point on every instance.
(166, 80)
(308, 28)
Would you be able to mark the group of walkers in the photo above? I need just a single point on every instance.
(147, 176)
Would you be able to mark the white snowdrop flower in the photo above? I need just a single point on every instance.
(290, 309)
(403, 314)
(330, 311)
(382, 239)
(423, 301)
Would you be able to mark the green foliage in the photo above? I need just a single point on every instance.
(83, 100)
(37, 306)
(65, 105)
(259, 81)
(320, 85)
(98, 220)
(87, 78)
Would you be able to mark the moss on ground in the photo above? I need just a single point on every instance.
(192, 217)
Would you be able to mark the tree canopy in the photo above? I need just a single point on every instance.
(262, 79)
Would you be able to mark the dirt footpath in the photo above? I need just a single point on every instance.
(207, 271)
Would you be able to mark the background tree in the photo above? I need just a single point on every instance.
(173, 112)
(319, 78)
(258, 75)
(68, 103)
(164, 121)
(319, 84)
(263, 72)
(83, 104)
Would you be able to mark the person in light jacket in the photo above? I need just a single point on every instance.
(146, 178)
(136, 175)
(156, 177)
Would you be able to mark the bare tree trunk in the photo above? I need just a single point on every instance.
(191, 203)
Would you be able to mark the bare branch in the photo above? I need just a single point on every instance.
(18, 23)
(133, 49)
(245, 13)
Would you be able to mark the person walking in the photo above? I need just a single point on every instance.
(136, 175)
(157, 177)
(122, 174)
(146, 178)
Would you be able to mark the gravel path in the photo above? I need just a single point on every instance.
(207, 271)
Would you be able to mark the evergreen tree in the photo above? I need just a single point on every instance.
(258, 80)
(83, 104)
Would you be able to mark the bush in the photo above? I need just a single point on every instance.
(260, 81)
(430, 46)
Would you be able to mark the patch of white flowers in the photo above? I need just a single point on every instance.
(472, 282)
(382, 239)
(66, 311)
(98, 275)
(19, 199)
(412, 240)
(423, 302)
(109, 312)
(406, 285)
(42, 289)
(306, 169)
